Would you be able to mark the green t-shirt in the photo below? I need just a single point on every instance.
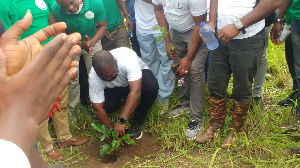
(40, 10)
(85, 21)
(295, 10)
(8, 13)
(113, 14)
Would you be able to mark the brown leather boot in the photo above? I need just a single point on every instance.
(74, 141)
(217, 119)
(240, 110)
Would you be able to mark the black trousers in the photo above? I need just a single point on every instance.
(113, 97)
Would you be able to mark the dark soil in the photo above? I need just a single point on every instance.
(147, 145)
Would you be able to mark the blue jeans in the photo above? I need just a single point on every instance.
(154, 54)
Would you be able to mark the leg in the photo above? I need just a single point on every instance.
(165, 77)
(74, 89)
(148, 96)
(296, 56)
(89, 57)
(134, 42)
(121, 38)
(113, 97)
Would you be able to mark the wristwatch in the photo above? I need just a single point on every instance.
(239, 25)
(122, 120)
(125, 15)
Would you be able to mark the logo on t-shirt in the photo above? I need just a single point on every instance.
(89, 15)
(41, 4)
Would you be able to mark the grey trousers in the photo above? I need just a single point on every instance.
(193, 89)
(259, 78)
(239, 57)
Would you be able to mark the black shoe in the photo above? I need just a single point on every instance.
(296, 150)
(293, 127)
(290, 100)
(135, 130)
(256, 103)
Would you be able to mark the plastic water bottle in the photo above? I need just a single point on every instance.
(208, 35)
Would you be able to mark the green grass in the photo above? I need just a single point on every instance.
(262, 145)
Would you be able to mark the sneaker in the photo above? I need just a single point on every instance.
(178, 111)
(256, 104)
(290, 100)
(293, 127)
(296, 150)
(194, 129)
(135, 130)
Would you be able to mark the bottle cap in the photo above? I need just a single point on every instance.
(202, 24)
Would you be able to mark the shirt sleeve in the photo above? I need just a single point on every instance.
(198, 7)
(156, 2)
(12, 155)
(100, 13)
(55, 8)
(134, 71)
(96, 89)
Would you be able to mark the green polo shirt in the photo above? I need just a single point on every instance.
(113, 14)
(85, 21)
(40, 10)
(295, 10)
(8, 13)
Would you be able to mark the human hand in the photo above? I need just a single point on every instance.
(228, 32)
(212, 25)
(86, 44)
(108, 35)
(171, 51)
(43, 78)
(119, 128)
(275, 33)
(184, 66)
(129, 24)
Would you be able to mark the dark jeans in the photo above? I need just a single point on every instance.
(149, 92)
(290, 60)
(135, 44)
(239, 57)
(206, 68)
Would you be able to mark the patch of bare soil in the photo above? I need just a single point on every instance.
(145, 146)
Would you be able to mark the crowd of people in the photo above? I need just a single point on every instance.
(129, 48)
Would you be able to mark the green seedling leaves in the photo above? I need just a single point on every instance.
(114, 134)
(129, 142)
(104, 149)
(126, 136)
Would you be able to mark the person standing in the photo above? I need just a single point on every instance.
(89, 19)
(153, 52)
(241, 38)
(184, 18)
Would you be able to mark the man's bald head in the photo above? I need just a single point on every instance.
(102, 59)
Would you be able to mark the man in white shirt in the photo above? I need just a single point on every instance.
(117, 74)
(241, 37)
(184, 17)
(153, 52)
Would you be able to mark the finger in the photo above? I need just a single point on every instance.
(67, 52)
(47, 53)
(65, 80)
(50, 31)
(2, 65)
(66, 63)
(73, 64)
(16, 30)
(87, 37)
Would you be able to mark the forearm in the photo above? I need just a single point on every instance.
(194, 45)
(98, 35)
(261, 11)
(162, 22)
(19, 130)
(103, 118)
(131, 104)
(123, 6)
(213, 13)
(283, 8)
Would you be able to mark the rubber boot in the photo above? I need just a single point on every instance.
(240, 110)
(217, 119)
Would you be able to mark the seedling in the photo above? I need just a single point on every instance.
(112, 147)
